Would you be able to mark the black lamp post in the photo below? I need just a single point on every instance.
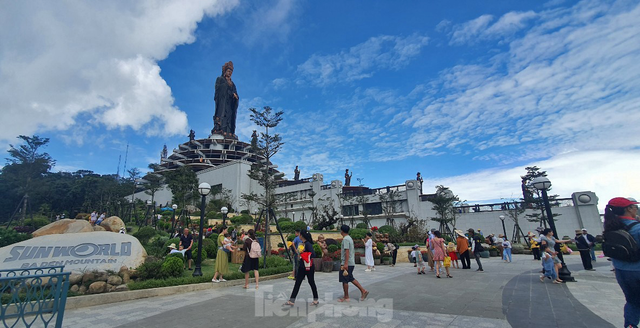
(224, 212)
(173, 218)
(543, 184)
(204, 189)
(504, 230)
(146, 219)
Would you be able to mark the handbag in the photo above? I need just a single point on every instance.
(447, 261)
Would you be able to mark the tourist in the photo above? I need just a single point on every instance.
(415, 253)
(439, 252)
(93, 217)
(222, 261)
(451, 250)
(499, 246)
(173, 250)
(506, 250)
(186, 241)
(620, 213)
(250, 263)
(368, 253)
(176, 234)
(591, 240)
(548, 264)
(227, 245)
(551, 241)
(101, 218)
(296, 256)
(305, 269)
(462, 244)
(535, 247)
(476, 247)
(393, 250)
(123, 230)
(347, 264)
(583, 247)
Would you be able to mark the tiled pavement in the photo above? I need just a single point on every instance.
(505, 295)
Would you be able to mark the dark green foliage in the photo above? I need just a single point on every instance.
(36, 223)
(317, 249)
(144, 234)
(214, 216)
(362, 226)
(280, 220)
(331, 241)
(155, 251)
(171, 241)
(178, 255)
(10, 236)
(274, 261)
(150, 270)
(172, 267)
(386, 229)
(380, 246)
(242, 219)
(291, 237)
(332, 248)
(210, 247)
(286, 227)
(214, 237)
(357, 233)
(299, 225)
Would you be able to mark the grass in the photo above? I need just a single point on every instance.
(208, 268)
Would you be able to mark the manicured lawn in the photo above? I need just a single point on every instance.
(208, 268)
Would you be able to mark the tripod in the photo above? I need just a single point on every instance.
(270, 216)
(517, 232)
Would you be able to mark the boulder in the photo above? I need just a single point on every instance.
(98, 228)
(97, 287)
(114, 280)
(110, 288)
(74, 288)
(121, 288)
(101, 276)
(88, 277)
(64, 226)
(82, 289)
(113, 224)
(126, 278)
(75, 278)
(123, 269)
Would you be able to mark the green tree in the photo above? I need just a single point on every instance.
(444, 203)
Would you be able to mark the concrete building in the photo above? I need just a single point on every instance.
(224, 164)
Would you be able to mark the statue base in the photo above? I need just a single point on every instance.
(225, 135)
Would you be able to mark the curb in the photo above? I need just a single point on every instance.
(77, 302)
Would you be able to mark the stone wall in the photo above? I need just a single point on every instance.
(97, 282)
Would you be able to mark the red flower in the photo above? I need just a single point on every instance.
(374, 228)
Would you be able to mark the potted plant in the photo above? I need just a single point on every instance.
(363, 259)
(376, 259)
(358, 246)
(317, 261)
(336, 260)
(386, 260)
(358, 257)
(493, 251)
(327, 264)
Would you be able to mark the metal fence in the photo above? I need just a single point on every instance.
(33, 297)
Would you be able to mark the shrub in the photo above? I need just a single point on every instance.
(172, 267)
(291, 237)
(331, 241)
(299, 225)
(317, 249)
(280, 220)
(358, 233)
(242, 219)
(169, 242)
(211, 248)
(214, 216)
(144, 234)
(380, 246)
(332, 248)
(517, 248)
(8, 237)
(362, 226)
(178, 255)
(387, 229)
(286, 227)
(36, 223)
(150, 270)
(214, 238)
(155, 251)
(274, 261)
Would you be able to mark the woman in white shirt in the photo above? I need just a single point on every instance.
(368, 253)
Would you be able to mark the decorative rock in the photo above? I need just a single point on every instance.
(126, 278)
(114, 280)
(88, 278)
(83, 289)
(98, 228)
(101, 276)
(75, 278)
(121, 288)
(74, 288)
(110, 288)
(97, 287)
(64, 226)
(113, 224)
(123, 269)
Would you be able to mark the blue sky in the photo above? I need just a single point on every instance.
(466, 92)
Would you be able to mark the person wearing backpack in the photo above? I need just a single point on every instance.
(251, 258)
(620, 222)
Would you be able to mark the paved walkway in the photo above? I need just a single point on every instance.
(505, 295)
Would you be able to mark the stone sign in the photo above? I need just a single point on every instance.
(83, 251)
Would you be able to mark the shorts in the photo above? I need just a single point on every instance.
(188, 255)
(348, 278)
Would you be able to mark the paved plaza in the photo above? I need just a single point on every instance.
(504, 295)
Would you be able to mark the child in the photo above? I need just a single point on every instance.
(547, 263)
(506, 250)
(419, 262)
(226, 246)
(451, 249)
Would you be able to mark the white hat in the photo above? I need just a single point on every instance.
(172, 246)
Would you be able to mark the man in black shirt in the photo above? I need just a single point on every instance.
(186, 241)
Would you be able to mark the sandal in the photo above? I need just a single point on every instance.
(448, 276)
(556, 282)
(437, 276)
(364, 295)
(315, 303)
(289, 304)
(245, 286)
(342, 299)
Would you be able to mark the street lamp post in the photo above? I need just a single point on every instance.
(224, 212)
(204, 189)
(173, 217)
(294, 216)
(146, 219)
(504, 230)
(543, 184)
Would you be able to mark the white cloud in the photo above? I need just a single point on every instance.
(266, 21)
(482, 29)
(607, 173)
(61, 60)
(363, 60)
(468, 31)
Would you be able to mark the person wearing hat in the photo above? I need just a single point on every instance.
(419, 261)
(462, 244)
(476, 247)
(535, 246)
(620, 213)
(591, 241)
(583, 248)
